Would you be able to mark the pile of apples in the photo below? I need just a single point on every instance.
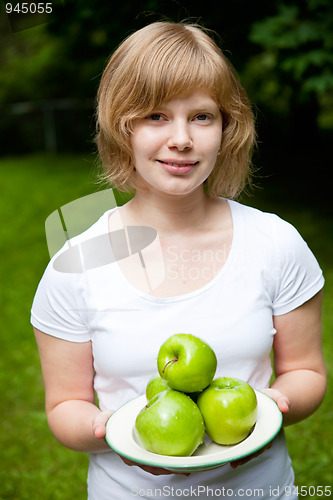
(184, 401)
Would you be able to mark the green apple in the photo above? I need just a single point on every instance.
(186, 363)
(229, 409)
(156, 384)
(170, 424)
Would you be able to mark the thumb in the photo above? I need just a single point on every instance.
(283, 404)
(99, 423)
(280, 399)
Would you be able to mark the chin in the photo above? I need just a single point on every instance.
(180, 188)
(171, 185)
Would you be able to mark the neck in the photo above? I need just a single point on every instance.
(170, 213)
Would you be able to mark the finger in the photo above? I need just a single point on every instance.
(99, 423)
(156, 471)
(245, 460)
(283, 405)
(280, 399)
(100, 431)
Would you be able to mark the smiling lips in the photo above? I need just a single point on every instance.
(178, 166)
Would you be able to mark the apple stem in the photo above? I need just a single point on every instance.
(171, 361)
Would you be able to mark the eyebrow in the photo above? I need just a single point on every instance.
(197, 107)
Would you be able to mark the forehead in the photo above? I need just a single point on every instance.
(197, 99)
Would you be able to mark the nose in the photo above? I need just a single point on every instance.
(180, 135)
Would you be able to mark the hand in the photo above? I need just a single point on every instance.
(283, 404)
(99, 423)
(280, 399)
(99, 430)
(156, 471)
(244, 460)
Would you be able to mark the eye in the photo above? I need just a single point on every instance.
(202, 117)
(155, 117)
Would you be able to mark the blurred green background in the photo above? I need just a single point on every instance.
(50, 67)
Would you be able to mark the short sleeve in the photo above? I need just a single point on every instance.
(58, 308)
(297, 273)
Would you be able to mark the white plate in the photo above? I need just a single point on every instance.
(121, 437)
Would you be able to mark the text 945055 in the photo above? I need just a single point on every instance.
(28, 8)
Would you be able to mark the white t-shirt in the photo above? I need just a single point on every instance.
(269, 271)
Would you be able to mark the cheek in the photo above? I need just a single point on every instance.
(143, 144)
(212, 145)
(211, 140)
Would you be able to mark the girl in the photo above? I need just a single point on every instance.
(175, 126)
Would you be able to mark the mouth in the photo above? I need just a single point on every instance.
(179, 163)
(178, 166)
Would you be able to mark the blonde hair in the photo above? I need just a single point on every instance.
(161, 61)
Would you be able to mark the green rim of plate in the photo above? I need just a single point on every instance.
(211, 463)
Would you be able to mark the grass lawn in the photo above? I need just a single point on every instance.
(32, 464)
